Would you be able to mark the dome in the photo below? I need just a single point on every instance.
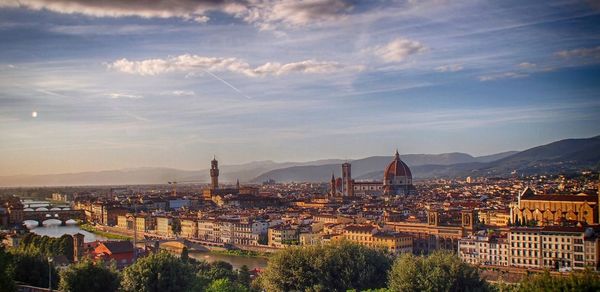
(396, 168)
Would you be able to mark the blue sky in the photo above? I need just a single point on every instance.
(128, 84)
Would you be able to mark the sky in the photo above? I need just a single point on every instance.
(96, 85)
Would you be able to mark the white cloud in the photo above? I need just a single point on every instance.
(183, 92)
(194, 63)
(267, 14)
(263, 13)
(398, 50)
(449, 68)
(580, 53)
(527, 65)
(502, 76)
(116, 95)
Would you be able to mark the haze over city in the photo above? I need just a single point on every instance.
(87, 86)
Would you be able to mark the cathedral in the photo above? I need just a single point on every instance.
(397, 181)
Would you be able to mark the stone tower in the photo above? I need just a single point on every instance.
(333, 187)
(467, 219)
(214, 174)
(433, 218)
(77, 246)
(347, 187)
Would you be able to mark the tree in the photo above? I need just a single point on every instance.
(89, 276)
(184, 254)
(244, 276)
(331, 267)
(440, 271)
(225, 285)
(576, 281)
(32, 268)
(176, 226)
(6, 281)
(158, 272)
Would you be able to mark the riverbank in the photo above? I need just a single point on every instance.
(242, 253)
(92, 229)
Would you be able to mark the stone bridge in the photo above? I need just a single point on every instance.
(190, 244)
(62, 215)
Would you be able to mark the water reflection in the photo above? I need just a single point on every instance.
(53, 228)
(236, 261)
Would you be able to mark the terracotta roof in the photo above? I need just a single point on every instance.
(575, 198)
(119, 246)
(397, 168)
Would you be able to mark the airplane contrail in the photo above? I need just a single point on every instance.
(228, 84)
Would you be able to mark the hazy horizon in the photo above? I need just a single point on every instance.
(91, 86)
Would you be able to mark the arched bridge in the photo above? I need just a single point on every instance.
(62, 215)
(190, 244)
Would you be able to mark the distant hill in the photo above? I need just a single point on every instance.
(366, 168)
(558, 157)
(563, 156)
(152, 175)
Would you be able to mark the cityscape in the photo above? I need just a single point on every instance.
(299, 145)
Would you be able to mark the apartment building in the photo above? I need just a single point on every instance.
(372, 236)
(282, 235)
(484, 249)
(189, 228)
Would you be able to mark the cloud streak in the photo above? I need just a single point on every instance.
(194, 63)
(580, 53)
(265, 14)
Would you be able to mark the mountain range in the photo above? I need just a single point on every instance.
(561, 156)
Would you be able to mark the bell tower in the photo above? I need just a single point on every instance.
(333, 186)
(214, 174)
(347, 187)
(77, 246)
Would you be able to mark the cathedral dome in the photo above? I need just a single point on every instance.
(397, 172)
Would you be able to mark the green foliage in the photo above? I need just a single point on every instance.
(6, 280)
(184, 256)
(244, 276)
(90, 228)
(440, 271)
(176, 226)
(158, 272)
(31, 268)
(241, 253)
(225, 285)
(47, 246)
(332, 267)
(89, 276)
(576, 281)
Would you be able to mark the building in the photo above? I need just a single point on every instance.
(282, 235)
(221, 196)
(397, 181)
(110, 214)
(120, 251)
(554, 247)
(397, 178)
(189, 228)
(436, 234)
(498, 218)
(208, 230)
(372, 236)
(163, 226)
(484, 249)
(555, 209)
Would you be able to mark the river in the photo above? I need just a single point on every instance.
(53, 228)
